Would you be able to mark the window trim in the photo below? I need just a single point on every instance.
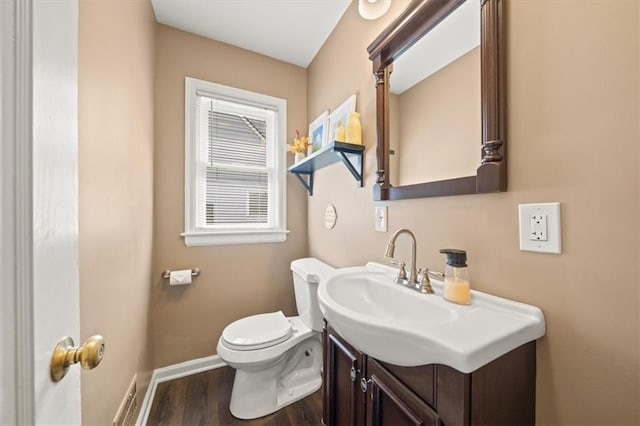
(197, 236)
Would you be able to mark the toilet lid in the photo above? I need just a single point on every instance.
(257, 332)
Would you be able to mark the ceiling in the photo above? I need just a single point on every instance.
(289, 30)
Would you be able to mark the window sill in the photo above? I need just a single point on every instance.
(217, 238)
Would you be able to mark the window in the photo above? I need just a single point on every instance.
(234, 166)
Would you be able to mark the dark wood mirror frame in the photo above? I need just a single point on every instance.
(418, 19)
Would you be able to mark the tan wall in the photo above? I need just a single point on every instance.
(236, 280)
(439, 123)
(116, 48)
(573, 137)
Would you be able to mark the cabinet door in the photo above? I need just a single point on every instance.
(392, 403)
(344, 401)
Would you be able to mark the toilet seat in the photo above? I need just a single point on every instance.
(250, 358)
(257, 332)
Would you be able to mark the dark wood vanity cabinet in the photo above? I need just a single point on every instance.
(359, 390)
(391, 402)
(344, 402)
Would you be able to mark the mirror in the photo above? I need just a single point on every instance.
(439, 71)
(434, 95)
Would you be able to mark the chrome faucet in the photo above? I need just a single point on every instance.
(417, 280)
(391, 247)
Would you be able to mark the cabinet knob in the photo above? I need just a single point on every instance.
(353, 374)
(364, 384)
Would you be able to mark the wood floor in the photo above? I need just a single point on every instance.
(203, 399)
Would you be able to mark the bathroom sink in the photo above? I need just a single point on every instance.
(404, 327)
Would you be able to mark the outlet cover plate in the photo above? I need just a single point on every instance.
(529, 237)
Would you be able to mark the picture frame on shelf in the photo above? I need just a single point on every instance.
(339, 115)
(318, 131)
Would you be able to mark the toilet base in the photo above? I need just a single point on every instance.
(259, 393)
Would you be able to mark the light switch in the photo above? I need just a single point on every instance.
(381, 218)
(540, 228)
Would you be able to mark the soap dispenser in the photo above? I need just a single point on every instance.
(456, 279)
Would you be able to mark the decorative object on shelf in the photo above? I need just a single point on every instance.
(340, 133)
(353, 132)
(299, 146)
(318, 131)
(373, 9)
(339, 116)
(349, 154)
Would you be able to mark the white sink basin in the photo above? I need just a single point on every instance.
(403, 327)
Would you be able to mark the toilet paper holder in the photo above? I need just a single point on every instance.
(194, 273)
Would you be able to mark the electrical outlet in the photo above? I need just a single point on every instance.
(381, 218)
(540, 227)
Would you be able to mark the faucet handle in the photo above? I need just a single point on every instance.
(424, 284)
(436, 275)
(402, 273)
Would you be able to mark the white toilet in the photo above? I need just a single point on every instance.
(277, 359)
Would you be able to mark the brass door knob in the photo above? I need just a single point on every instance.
(65, 354)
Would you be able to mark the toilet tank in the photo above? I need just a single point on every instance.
(307, 274)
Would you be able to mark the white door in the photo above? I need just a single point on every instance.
(55, 204)
(39, 208)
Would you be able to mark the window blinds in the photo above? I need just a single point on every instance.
(235, 163)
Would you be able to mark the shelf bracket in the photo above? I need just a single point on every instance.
(350, 155)
(357, 174)
(308, 184)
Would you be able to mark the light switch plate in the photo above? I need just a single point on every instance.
(381, 218)
(540, 227)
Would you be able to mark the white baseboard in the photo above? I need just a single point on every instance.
(127, 404)
(172, 372)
